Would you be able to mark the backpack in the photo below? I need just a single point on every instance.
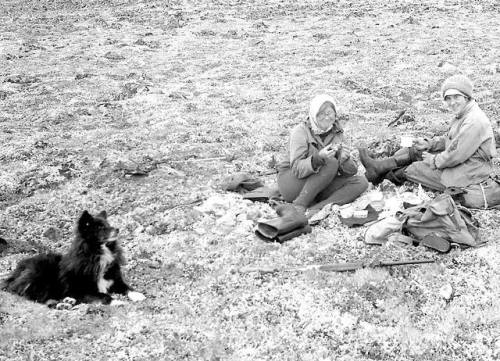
(443, 218)
(481, 196)
(439, 218)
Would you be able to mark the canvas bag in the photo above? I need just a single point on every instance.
(481, 196)
(443, 218)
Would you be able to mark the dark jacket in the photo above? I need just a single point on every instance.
(304, 147)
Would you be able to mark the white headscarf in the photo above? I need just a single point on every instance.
(314, 107)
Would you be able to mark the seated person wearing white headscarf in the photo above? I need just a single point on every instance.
(319, 170)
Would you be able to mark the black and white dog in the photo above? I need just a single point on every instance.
(88, 273)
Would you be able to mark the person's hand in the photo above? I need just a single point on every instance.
(328, 151)
(428, 158)
(421, 144)
(345, 154)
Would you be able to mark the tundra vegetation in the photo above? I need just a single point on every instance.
(143, 107)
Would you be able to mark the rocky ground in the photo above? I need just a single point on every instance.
(142, 108)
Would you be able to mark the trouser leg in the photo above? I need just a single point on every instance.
(341, 190)
(420, 172)
(303, 191)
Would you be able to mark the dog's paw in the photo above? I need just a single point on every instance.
(66, 304)
(136, 296)
(69, 300)
(63, 306)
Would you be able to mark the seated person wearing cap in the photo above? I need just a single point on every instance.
(460, 160)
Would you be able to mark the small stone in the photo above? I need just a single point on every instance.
(253, 214)
(135, 296)
(113, 56)
(446, 292)
(447, 67)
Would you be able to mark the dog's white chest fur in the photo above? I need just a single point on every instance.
(107, 258)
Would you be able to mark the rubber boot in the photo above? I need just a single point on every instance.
(377, 169)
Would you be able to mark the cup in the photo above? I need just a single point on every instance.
(406, 141)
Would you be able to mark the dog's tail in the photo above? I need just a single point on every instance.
(3, 276)
(4, 281)
(36, 278)
(16, 281)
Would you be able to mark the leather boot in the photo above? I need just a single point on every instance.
(290, 218)
(377, 169)
(396, 176)
(406, 156)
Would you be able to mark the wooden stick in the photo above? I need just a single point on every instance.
(267, 172)
(196, 160)
(401, 113)
(199, 200)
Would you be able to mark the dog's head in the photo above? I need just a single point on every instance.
(96, 229)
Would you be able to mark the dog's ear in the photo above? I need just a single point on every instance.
(85, 220)
(103, 214)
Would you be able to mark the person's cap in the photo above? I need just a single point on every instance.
(453, 92)
(457, 84)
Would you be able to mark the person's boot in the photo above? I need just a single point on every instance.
(396, 176)
(290, 218)
(377, 169)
